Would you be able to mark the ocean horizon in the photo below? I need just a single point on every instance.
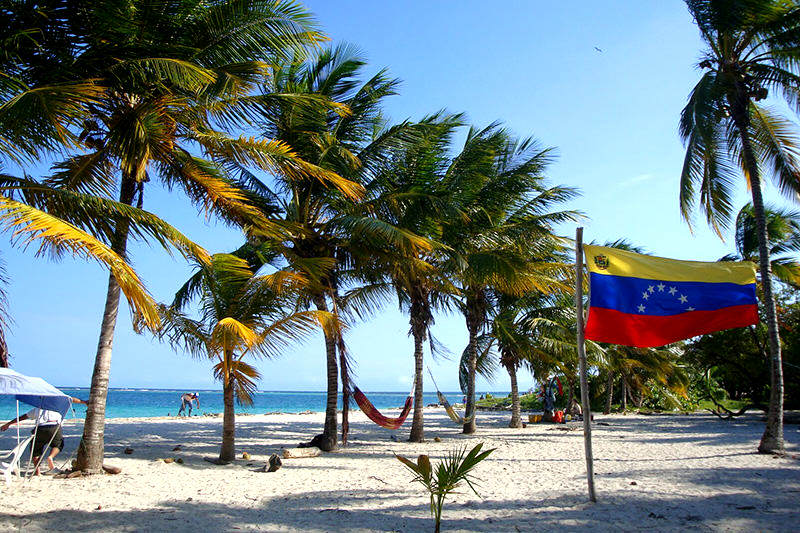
(141, 402)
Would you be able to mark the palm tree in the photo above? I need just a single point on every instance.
(537, 332)
(642, 369)
(410, 193)
(241, 314)
(331, 221)
(507, 221)
(783, 230)
(751, 49)
(515, 346)
(37, 121)
(166, 70)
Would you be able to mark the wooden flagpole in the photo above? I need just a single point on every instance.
(585, 407)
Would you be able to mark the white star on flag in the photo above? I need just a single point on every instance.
(673, 290)
(651, 288)
(645, 295)
(690, 308)
(661, 287)
(683, 299)
(641, 308)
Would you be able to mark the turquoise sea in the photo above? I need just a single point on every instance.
(130, 403)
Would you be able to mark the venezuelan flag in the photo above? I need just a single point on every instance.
(644, 301)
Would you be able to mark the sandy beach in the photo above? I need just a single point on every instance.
(667, 473)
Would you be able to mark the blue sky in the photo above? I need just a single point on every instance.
(612, 114)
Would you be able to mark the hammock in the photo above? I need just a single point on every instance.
(373, 414)
(455, 417)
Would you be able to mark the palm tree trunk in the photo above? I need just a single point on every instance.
(420, 319)
(772, 439)
(417, 432)
(227, 452)
(516, 422)
(90, 449)
(345, 388)
(610, 391)
(3, 350)
(624, 395)
(329, 431)
(472, 327)
(344, 373)
(570, 393)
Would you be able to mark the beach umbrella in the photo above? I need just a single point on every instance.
(33, 391)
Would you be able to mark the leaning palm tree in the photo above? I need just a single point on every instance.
(751, 49)
(167, 71)
(783, 230)
(241, 315)
(508, 219)
(37, 121)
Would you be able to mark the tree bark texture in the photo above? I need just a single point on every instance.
(3, 350)
(90, 449)
(516, 422)
(420, 318)
(227, 452)
(342, 349)
(331, 422)
(473, 322)
(772, 439)
(417, 431)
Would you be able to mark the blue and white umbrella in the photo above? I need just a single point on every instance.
(33, 391)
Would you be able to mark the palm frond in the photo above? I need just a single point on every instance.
(29, 225)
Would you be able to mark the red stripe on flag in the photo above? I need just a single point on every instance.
(615, 327)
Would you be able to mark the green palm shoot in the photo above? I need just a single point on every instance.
(449, 474)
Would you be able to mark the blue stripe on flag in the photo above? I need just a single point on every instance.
(664, 298)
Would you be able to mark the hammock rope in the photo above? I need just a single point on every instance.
(373, 414)
(455, 417)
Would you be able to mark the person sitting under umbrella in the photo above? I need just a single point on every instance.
(48, 432)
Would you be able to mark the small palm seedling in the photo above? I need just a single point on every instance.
(447, 476)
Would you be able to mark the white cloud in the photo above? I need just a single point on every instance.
(635, 180)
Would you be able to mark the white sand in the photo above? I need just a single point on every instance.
(661, 472)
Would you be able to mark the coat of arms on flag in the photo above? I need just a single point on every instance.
(601, 261)
(640, 300)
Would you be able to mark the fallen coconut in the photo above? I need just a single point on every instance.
(108, 469)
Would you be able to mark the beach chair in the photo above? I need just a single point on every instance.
(8, 468)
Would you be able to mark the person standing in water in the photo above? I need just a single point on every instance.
(186, 401)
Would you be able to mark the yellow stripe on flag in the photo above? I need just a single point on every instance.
(614, 262)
